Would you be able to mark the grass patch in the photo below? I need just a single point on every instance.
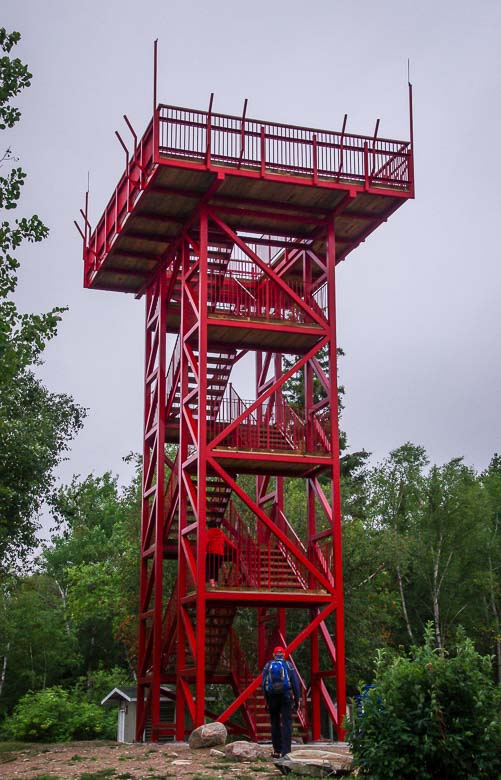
(99, 775)
(5, 758)
(46, 777)
(125, 776)
(9, 751)
(161, 777)
(150, 750)
(210, 777)
(6, 747)
(249, 777)
(76, 758)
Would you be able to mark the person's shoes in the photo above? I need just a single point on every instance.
(275, 754)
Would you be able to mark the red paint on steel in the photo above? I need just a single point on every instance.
(243, 271)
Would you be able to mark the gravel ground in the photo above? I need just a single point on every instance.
(112, 761)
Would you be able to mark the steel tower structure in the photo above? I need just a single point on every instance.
(232, 228)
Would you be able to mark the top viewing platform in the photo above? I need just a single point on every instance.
(267, 179)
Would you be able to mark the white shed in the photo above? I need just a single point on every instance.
(126, 698)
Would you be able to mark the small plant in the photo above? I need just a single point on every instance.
(429, 716)
(201, 776)
(46, 777)
(76, 758)
(101, 774)
(161, 777)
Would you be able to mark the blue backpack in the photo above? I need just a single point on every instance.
(277, 678)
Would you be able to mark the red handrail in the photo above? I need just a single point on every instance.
(208, 139)
(273, 426)
(287, 149)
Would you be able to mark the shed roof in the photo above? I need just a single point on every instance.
(129, 693)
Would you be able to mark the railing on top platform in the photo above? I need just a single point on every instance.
(137, 171)
(284, 149)
(266, 147)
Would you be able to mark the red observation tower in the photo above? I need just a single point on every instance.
(232, 229)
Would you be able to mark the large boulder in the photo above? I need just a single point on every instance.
(208, 736)
(316, 762)
(245, 751)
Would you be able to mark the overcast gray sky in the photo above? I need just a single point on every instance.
(418, 303)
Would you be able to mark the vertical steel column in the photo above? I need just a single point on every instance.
(278, 508)
(158, 555)
(181, 701)
(153, 512)
(262, 498)
(145, 505)
(202, 469)
(311, 528)
(336, 479)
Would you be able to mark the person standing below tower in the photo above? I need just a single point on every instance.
(281, 690)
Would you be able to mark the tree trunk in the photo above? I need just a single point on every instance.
(32, 667)
(436, 588)
(4, 668)
(403, 602)
(492, 597)
(400, 579)
(63, 599)
(436, 618)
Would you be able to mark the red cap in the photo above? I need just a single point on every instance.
(278, 649)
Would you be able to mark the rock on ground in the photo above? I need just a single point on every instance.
(245, 751)
(207, 736)
(315, 762)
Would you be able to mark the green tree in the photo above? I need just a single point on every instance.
(372, 605)
(74, 621)
(450, 551)
(396, 494)
(429, 715)
(491, 485)
(94, 556)
(36, 643)
(35, 425)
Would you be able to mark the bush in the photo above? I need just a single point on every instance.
(429, 716)
(55, 715)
